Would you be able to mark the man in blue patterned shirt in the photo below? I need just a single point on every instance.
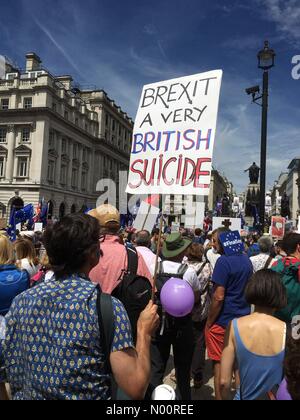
(51, 347)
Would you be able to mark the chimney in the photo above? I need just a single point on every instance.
(33, 62)
(66, 81)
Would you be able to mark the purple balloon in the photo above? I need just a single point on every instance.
(177, 298)
(283, 393)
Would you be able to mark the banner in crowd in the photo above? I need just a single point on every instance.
(278, 227)
(231, 223)
(196, 220)
(146, 217)
(232, 243)
(174, 136)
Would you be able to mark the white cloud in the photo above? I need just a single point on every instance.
(245, 43)
(286, 15)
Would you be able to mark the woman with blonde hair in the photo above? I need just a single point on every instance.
(26, 256)
(12, 280)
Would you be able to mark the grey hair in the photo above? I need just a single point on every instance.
(265, 244)
(143, 238)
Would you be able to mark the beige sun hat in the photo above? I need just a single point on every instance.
(105, 214)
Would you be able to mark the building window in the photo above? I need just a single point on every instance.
(84, 181)
(76, 121)
(27, 103)
(2, 169)
(84, 155)
(51, 140)
(51, 170)
(106, 120)
(113, 125)
(74, 181)
(54, 107)
(66, 115)
(64, 146)
(63, 175)
(75, 151)
(22, 167)
(4, 104)
(26, 135)
(3, 134)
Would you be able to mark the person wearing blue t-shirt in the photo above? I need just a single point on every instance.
(12, 280)
(230, 277)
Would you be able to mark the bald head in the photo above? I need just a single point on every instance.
(143, 238)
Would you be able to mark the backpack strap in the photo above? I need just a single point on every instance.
(201, 269)
(133, 261)
(182, 270)
(268, 262)
(106, 325)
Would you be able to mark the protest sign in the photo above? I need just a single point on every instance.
(38, 227)
(174, 136)
(175, 227)
(232, 243)
(19, 227)
(196, 220)
(231, 223)
(146, 217)
(278, 227)
(289, 226)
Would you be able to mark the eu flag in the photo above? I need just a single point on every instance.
(232, 243)
(24, 214)
(44, 213)
(11, 229)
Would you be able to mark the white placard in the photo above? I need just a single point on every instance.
(299, 224)
(232, 223)
(174, 136)
(196, 220)
(146, 217)
(175, 227)
(38, 227)
(19, 227)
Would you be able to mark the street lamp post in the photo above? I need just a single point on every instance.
(266, 60)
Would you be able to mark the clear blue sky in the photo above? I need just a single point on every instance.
(122, 45)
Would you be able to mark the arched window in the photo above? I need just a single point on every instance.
(2, 210)
(73, 209)
(50, 210)
(62, 210)
(17, 203)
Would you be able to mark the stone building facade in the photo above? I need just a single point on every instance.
(57, 141)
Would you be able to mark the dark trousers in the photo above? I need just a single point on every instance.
(198, 363)
(178, 334)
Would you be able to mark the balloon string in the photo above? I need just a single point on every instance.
(163, 323)
(157, 257)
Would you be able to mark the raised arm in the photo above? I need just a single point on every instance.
(132, 367)
(3, 393)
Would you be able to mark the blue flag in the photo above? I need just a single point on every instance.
(44, 213)
(11, 229)
(232, 243)
(25, 214)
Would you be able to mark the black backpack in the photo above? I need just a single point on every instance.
(134, 291)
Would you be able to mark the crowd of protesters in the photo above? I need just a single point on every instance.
(57, 289)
